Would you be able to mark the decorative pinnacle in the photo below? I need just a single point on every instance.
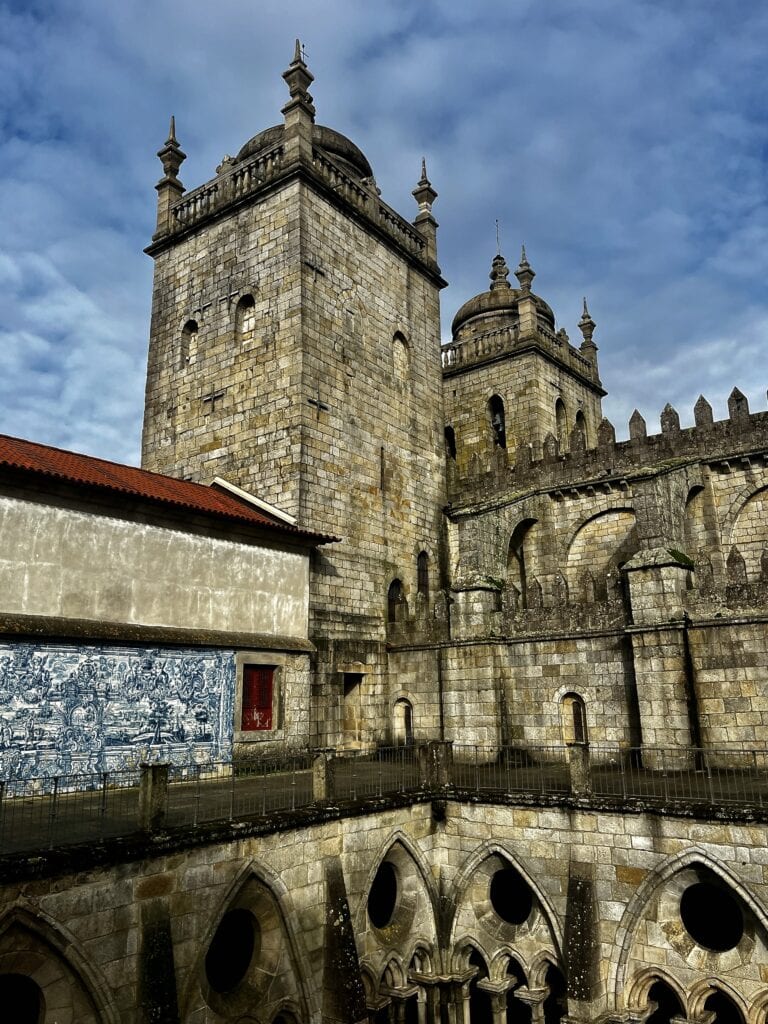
(171, 154)
(499, 273)
(424, 194)
(298, 78)
(525, 272)
(587, 325)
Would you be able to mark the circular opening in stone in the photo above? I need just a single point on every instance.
(712, 916)
(511, 896)
(231, 950)
(382, 898)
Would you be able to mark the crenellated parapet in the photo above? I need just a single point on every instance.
(739, 440)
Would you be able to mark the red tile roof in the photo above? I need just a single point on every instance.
(87, 471)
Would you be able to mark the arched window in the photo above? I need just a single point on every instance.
(573, 716)
(422, 573)
(450, 443)
(245, 318)
(496, 420)
(188, 347)
(403, 723)
(581, 426)
(400, 355)
(395, 601)
(517, 582)
(666, 1002)
(561, 424)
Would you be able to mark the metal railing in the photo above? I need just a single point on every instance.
(528, 769)
(42, 813)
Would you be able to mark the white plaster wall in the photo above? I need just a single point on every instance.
(61, 562)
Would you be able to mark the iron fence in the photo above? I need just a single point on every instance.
(40, 813)
(244, 789)
(376, 772)
(528, 769)
(674, 775)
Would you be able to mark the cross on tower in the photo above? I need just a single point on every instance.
(213, 398)
(320, 406)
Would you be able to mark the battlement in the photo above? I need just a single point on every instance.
(743, 436)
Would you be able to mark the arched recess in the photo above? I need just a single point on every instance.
(398, 904)
(450, 443)
(521, 564)
(277, 975)
(694, 528)
(402, 722)
(497, 422)
(749, 532)
(397, 607)
(400, 357)
(573, 718)
(245, 319)
(37, 947)
(580, 427)
(666, 883)
(600, 545)
(489, 900)
(561, 425)
(188, 345)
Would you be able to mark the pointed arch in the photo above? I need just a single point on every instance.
(641, 984)
(495, 848)
(561, 425)
(188, 344)
(694, 856)
(256, 872)
(395, 839)
(702, 990)
(55, 943)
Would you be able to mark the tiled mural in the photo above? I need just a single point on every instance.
(68, 710)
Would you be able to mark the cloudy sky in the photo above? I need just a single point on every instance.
(624, 142)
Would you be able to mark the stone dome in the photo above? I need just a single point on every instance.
(338, 146)
(497, 306)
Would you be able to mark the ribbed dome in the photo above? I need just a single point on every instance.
(334, 143)
(498, 305)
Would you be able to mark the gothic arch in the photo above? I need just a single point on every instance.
(751, 509)
(255, 874)
(694, 856)
(702, 990)
(497, 965)
(490, 848)
(642, 983)
(395, 839)
(56, 943)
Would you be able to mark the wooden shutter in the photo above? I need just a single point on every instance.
(258, 686)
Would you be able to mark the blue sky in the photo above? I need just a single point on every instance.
(625, 143)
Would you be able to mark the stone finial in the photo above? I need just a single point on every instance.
(738, 406)
(424, 194)
(736, 568)
(587, 325)
(637, 428)
(171, 155)
(702, 413)
(670, 420)
(606, 434)
(499, 273)
(298, 78)
(525, 272)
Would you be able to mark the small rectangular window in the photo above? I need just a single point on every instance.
(258, 690)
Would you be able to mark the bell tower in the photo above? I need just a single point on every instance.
(295, 351)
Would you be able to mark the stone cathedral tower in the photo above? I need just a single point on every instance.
(295, 352)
